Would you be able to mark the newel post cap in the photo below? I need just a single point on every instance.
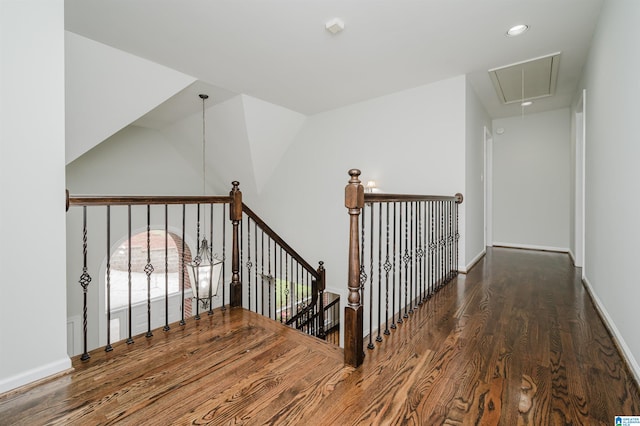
(354, 191)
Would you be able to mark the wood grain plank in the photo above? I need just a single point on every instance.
(516, 341)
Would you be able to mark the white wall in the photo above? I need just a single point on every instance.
(270, 131)
(531, 180)
(32, 221)
(612, 229)
(135, 160)
(476, 118)
(409, 142)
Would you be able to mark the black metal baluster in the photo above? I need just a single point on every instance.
(400, 224)
(262, 272)
(182, 266)
(415, 257)
(108, 348)
(287, 288)
(393, 269)
(196, 276)
(130, 339)
(425, 259)
(400, 261)
(249, 264)
(411, 263)
(166, 268)
(436, 283)
(431, 251)
(281, 307)
(269, 276)
(300, 302)
(379, 338)
(211, 257)
(407, 258)
(457, 237)
(363, 274)
(84, 281)
(442, 245)
(148, 269)
(387, 268)
(447, 269)
(224, 254)
(370, 345)
(255, 250)
(437, 242)
(450, 240)
(419, 254)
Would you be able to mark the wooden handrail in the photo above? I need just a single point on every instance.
(125, 200)
(372, 197)
(275, 237)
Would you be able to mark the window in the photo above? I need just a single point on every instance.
(119, 271)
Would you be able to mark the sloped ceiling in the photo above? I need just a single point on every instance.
(245, 139)
(106, 89)
(280, 52)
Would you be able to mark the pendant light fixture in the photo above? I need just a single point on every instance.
(205, 268)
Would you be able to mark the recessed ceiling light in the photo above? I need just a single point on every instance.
(527, 103)
(516, 30)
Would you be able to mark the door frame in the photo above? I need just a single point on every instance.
(488, 188)
(580, 168)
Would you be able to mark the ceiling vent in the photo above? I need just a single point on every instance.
(532, 79)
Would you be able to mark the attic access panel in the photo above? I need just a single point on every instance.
(540, 77)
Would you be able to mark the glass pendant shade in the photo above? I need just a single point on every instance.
(204, 273)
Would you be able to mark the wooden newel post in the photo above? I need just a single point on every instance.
(321, 287)
(235, 292)
(353, 325)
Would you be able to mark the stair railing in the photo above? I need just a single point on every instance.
(278, 282)
(401, 253)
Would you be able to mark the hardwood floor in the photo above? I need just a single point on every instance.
(515, 342)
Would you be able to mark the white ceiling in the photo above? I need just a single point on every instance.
(280, 52)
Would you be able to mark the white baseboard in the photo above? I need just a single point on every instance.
(475, 260)
(573, 258)
(532, 247)
(35, 374)
(611, 326)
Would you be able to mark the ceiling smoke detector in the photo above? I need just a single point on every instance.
(334, 26)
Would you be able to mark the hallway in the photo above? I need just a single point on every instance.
(516, 341)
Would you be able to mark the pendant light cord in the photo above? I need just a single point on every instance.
(204, 170)
(204, 176)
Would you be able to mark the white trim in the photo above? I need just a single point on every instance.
(74, 336)
(580, 179)
(531, 247)
(573, 258)
(471, 264)
(488, 187)
(623, 349)
(35, 374)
